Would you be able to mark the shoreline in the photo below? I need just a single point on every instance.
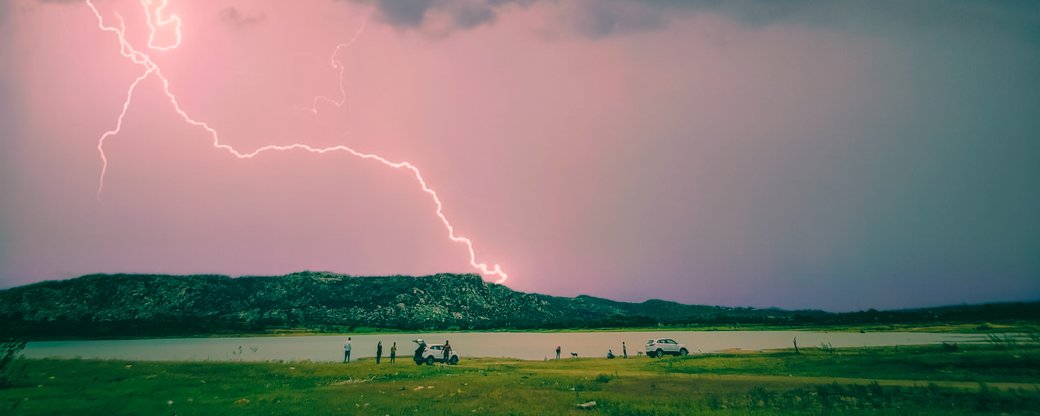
(979, 328)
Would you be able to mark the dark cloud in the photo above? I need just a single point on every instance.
(462, 14)
(599, 18)
(748, 11)
(471, 15)
(594, 18)
(924, 11)
(1014, 17)
(1017, 18)
(405, 12)
(239, 19)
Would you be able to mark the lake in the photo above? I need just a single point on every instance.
(522, 345)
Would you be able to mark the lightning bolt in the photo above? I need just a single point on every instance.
(339, 67)
(156, 20)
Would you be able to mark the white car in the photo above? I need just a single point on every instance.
(434, 353)
(658, 347)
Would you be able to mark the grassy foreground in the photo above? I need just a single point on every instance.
(904, 380)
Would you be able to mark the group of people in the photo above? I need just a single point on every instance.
(347, 346)
(420, 350)
(610, 352)
(624, 351)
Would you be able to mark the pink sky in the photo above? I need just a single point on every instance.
(739, 156)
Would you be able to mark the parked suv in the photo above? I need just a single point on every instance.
(658, 347)
(433, 353)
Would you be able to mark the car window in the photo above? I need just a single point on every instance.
(435, 348)
(649, 341)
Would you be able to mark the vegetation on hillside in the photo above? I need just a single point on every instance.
(160, 305)
(11, 367)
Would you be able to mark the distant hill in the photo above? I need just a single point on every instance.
(161, 305)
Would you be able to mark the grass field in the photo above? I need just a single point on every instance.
(905, 380)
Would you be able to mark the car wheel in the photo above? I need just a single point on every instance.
(683, 351)
(429, 360)
(454, 360)
(659, 353)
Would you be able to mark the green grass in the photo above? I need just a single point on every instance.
(985, 363)
(913, 380)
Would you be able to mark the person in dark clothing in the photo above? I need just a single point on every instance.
(447, 351)
(393, 352)
(421, 347)
(379, 351)
(557, 352)
(610, 354)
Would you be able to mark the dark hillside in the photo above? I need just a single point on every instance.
(159, 305)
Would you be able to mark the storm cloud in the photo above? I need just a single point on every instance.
(599, 18)
(448, 14)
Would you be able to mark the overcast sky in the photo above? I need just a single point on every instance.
(803, 154)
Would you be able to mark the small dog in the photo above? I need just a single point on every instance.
(574, 355)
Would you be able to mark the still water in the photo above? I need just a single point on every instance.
(529, 346)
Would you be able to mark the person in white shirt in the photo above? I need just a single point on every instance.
(346, 351)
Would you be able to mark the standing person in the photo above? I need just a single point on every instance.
(420, 348)
(346, 351)
(624, 350)
(557, 352)
(393, 352)
(447, 351)
(379, 351)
